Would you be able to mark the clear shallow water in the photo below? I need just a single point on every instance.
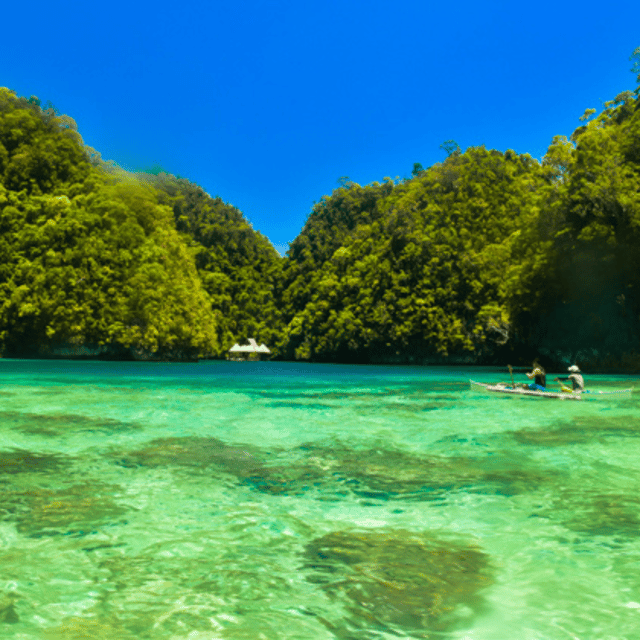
(218, 501)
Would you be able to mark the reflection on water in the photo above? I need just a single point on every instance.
(242, 501)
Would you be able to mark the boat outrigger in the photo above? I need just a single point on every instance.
(557, 395)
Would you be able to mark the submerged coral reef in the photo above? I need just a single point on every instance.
(398, 582)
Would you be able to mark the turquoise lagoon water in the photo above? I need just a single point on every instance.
(219, 501)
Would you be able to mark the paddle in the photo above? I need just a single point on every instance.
(563, 387)
(511, 374)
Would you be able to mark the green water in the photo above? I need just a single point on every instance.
(219, 501)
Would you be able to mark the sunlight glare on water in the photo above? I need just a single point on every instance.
(225, 500)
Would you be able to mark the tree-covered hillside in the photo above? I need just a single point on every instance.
(577, 294)
(484, 256)
(238, 266)
(414, 270)
(92, 260)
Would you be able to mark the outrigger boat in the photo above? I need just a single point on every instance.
(557, 395)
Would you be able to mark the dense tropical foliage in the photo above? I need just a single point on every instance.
(415, 268)
(91, 261)
(484, 255)
(577, 295)
(238, 267)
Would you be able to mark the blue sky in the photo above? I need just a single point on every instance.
(268, 104)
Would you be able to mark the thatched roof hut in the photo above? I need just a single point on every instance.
(251, 350)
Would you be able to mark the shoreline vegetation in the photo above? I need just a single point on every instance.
(485, 258)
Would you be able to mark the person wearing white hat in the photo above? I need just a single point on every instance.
(576, 379)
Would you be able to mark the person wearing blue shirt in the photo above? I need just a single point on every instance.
(539, 376)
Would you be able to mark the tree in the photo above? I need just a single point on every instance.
(635, 67)
(450, 147)
(417, 169)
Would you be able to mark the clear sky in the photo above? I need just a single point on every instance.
(268, 103)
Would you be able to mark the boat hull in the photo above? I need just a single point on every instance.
(500, 388)
(555, 395)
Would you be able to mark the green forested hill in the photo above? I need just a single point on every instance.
(91, 258)
(413, 270)
(238, 267)
(577, 293)
(484, 256)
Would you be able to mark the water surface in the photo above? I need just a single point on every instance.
(219, 500)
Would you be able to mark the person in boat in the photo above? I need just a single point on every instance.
(539, 376)
(576, 379)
